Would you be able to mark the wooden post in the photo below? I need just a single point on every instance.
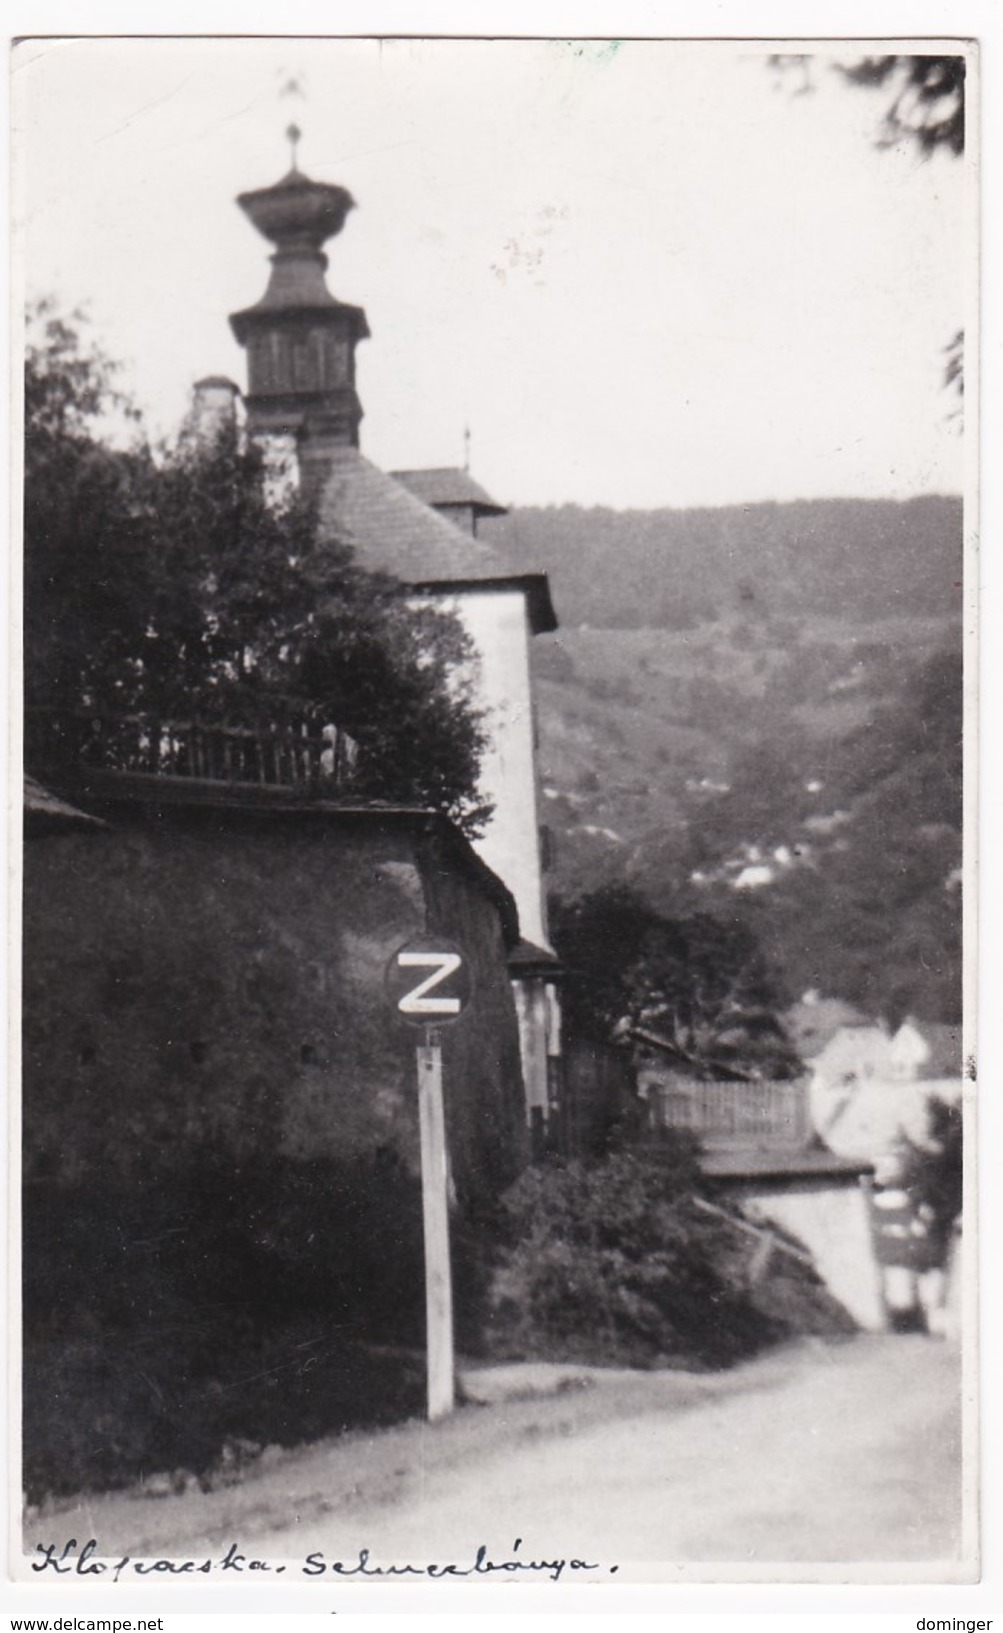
(435, 1216)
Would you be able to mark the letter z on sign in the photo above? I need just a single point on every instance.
(428, 981)
(418, 1001)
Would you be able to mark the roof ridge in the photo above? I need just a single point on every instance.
(391, 530)
(429, 529)
(439, 485)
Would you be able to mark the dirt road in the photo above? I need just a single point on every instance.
(818, 1453)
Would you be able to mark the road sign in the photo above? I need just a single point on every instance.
(428, 980)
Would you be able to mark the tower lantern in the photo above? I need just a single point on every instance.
(300, 340)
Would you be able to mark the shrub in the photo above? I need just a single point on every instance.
(200, 1307)
(933, 1174)
(618, 1262)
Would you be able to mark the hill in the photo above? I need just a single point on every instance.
(672, 569)
(757, 711)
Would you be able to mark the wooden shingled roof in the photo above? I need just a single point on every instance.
(447, 485)
(392, 531)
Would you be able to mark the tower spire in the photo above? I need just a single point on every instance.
(293, 135)
(292, 86)
(300, 340)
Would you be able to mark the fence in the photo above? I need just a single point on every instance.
(299, 755)
(771, 1113)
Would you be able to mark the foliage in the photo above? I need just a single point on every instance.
(954, 368)
(927, 103)
(849, 701)
(926, 110)
(894, 862)
(172, 586)
(698, 984)
(83, 558)
(203, 1305)
(924, 95)
(933, 1173)
(191, 1404)
(619, 1262)
(859, 559)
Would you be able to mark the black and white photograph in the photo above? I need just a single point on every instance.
(496, 710)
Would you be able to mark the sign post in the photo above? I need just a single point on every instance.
(435, 1219)
(439, 997)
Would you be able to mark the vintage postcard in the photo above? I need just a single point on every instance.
(497, 1065)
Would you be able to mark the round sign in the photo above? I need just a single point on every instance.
(428, 981)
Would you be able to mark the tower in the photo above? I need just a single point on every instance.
(300, 340)
(420, 527)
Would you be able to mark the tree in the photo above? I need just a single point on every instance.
(927, 105)
(169, 586)
(870, 907)
(699, 986)
(926, 92)
(927, 109)
(83, 568)
(933, 1173)
(924, 107)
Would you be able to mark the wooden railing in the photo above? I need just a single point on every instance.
(772, 1113)
(300, 755)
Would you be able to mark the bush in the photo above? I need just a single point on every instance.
(933, 1175)
(202, 1307)
(182, 1400)
(618, 1262)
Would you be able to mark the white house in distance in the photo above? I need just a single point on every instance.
(871, 1087)
(421, 526)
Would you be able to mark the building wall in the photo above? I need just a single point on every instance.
(498, 626)
(870, 1118)
(600, 1108)
(210, 978)
(830, 1217)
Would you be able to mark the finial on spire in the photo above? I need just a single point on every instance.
(293, 86)
(466, 447)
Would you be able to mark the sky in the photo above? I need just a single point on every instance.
(646, 274)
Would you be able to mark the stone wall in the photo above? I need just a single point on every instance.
(222, 1222)
(200, 976)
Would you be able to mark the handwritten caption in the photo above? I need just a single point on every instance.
(89, 1561)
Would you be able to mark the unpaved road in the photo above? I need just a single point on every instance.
(844, 1452)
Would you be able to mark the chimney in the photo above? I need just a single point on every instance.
(213, 410)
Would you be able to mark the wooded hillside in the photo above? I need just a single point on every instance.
(756, 712)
